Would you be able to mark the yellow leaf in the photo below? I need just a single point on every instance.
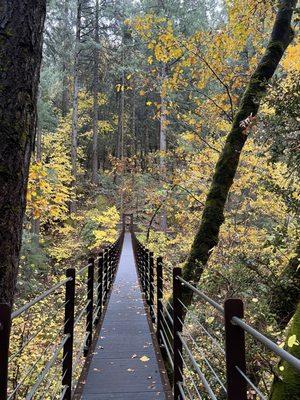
(144, 359)
(292, 341)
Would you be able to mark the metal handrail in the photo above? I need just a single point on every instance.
(167, 349)
(255, 388)
(295, 362)
(167, 312)
(46, 369)
(32, 368)
(201, 351)
(180, 385)
(202, 295)
(66, 343)
(83, 269)
(42, 296)
(197, 368)
(234, 326)
(189, 377)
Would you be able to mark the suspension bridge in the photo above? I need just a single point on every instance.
(121, 338)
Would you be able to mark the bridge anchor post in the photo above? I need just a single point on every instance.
(90, 306)
(105, 275)
(160, 295)
(177, 330)
(235, 351)
(67, 369)
(151, 286)
(99, 288)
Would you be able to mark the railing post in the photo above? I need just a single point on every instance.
(151, 286)
(105, 272)
(99, 288)
(147, 276)
(177, 328)
(160, 295)
(90, 306)
(69, 331)
(111, 265)
(131, 222)
(235, 351)
(123, 222)
(5, 324)
(142, 266)
(140, 260)
(144, 258)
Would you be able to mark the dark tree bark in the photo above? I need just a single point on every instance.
(121, 103)
(74, 132)
(163, 140)
(38, 153)
(286, 295)
(21, 28)
(121, 140)
(213, 214)
(65, 89)
(133, 126)
(95, 97)
(36, 223)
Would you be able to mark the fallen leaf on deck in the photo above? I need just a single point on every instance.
(144, 359)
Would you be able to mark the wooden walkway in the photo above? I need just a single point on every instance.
(126, 362)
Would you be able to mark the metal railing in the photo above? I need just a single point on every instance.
(182, 351)
(82, 296)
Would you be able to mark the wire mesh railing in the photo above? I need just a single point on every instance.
(54, 331)
(217, 370)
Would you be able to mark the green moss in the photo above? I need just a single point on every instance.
(287, 384)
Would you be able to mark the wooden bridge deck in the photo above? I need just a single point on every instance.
(126, 362)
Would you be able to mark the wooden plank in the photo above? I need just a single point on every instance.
(124, 363)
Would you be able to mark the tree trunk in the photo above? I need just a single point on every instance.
(213, 214)
(286, 384)
(36, 222)
(134, 129)
(286, 295)
(21, 28)
(163, 140)
(38, 143)
(65, 89)
(74, 132)
(163, 121)
(120, 139)
(120, 133)
(95, 97)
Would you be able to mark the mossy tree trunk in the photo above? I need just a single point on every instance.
(286, 295)
(21, 28)
(286, 384)
(213, 214)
